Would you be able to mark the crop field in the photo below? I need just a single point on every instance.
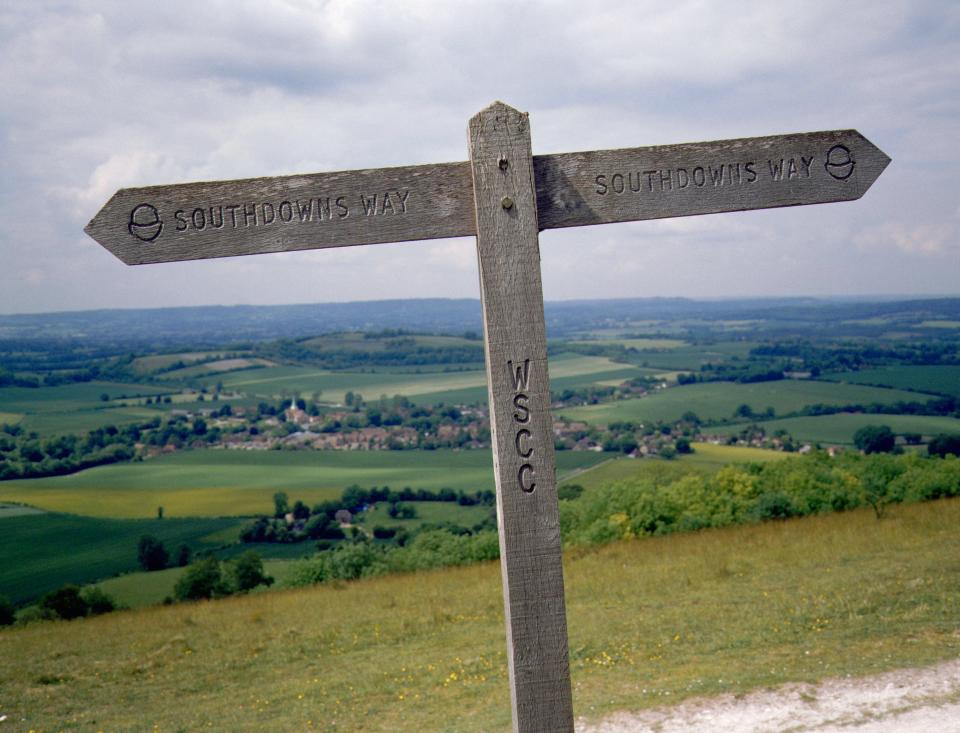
(719, 400)
(214, 483)
(839, 429)
(651, 622)
(942, 379)
(149, 364)
(216, 367)
(41, 552)
(434, 387)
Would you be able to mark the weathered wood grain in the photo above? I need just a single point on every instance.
(521, 426)
(229, 218)
(605, 186)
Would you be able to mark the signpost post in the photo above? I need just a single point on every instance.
(503, 196)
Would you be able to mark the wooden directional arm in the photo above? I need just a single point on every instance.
(258, 215)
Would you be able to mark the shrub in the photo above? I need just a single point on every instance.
(65, 603)
(183, 556)
(875, 439)
(944, 445)
(247, 571)
(151, 554)
(202, 579)
(7, 613)
(773, 505)
(97, 601)
(569, 491)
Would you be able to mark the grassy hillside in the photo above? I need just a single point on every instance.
(719, 400)
(231, 483)
(651, 621)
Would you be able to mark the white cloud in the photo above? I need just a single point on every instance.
(926, 240)
(116, 93)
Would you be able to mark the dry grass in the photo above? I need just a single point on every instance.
(651, 620)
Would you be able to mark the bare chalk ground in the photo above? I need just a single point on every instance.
(904, 701)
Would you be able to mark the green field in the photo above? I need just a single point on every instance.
(839, 429)
(939, 324)
(149, 364)
(69, 397)
(430, 386)
(44, 551)
(75, 408)
(231, 483)
(18, 510)
(216, 367)
(640, 344)
(942, 379)
(360, 342)
(428, 512)
(719, 400)
(139, 589)
(82, 421)
(651, 622)
(10, 418)
(691, 358)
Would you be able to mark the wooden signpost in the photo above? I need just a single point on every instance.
(504, 196)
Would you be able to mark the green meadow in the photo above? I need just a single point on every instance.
(719, 400)
(651, 621)
(213, 483)
(839, 429)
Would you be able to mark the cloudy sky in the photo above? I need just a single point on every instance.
(102, 95)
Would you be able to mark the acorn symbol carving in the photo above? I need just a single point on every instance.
(839, 163)
(145, 223)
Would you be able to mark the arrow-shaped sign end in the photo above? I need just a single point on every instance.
(870, 160)
(142, 222)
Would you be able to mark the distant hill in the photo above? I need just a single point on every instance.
(129, 329)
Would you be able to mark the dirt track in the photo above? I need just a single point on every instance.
(905, 701)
